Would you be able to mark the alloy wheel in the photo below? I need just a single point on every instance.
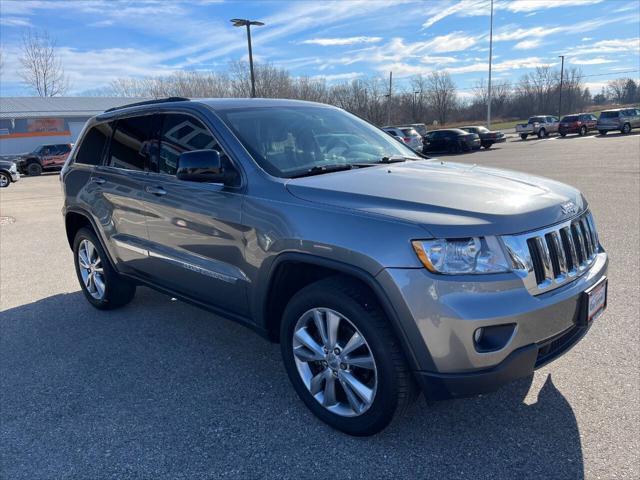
(335, 362)
(4, 181)
(91, 269)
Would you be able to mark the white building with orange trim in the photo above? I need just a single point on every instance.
(28, 122)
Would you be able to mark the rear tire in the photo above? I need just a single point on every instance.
(626, 129)
(563, 134)
(602, 132)
(107, 289)
(34, 169)
(583, 131)
(523, 136)
(388, 384)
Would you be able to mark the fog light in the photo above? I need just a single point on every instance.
(477, 335)
(493, 338)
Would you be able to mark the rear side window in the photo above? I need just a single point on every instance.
(131, 143)
(91, 149)
(181, 133)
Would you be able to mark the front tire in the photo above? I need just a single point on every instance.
(5, 180)
(102, 286)
(602, 132)
(541, 133)
(523, 136)
(626, 129)
(342, 357)
(583, 131)
(34, 169)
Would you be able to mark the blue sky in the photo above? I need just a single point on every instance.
(99, 40)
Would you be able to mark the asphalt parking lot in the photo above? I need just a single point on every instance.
(160, 389)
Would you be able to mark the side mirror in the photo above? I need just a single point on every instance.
(201, 166)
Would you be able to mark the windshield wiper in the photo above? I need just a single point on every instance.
(320, 169)
(395, 159)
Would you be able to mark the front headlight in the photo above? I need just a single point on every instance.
(13, 168)
(473, 255)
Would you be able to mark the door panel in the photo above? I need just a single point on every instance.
(195, 229)
(120, 192)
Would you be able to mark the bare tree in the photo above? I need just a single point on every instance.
(615, 89)
(441, 94)
(41, 69)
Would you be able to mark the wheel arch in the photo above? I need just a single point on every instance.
(290, 272)
(74, 220)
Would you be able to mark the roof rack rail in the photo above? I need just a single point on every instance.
(149, 102)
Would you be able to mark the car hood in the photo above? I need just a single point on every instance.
(447, 199)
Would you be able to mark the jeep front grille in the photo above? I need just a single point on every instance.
(551, 257)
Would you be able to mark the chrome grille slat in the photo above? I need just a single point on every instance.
(553, 256)
(559, 249)
(543, 250)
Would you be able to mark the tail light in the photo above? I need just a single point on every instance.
(406, 139)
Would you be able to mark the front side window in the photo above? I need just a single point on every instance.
(91, 150)
(180, 133)
(287, 141)
(131, 143)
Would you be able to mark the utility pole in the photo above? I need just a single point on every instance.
(239, 22)
(490, 60)
(561, 81)
(414, 105)
(389, 98)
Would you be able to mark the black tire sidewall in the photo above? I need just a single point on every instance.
(385, 403)
(34, 169)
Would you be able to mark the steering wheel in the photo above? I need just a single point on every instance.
(338, 143)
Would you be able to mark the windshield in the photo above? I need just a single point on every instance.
(288, 140)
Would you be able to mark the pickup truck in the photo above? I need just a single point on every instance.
(540, 125)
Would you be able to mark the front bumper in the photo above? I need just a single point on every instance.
(448, 309)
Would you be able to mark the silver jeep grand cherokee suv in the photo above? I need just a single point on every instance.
(378, 270)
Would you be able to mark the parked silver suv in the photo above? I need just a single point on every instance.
(622, 119)
(379, 271)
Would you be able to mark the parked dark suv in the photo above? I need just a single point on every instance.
(377, 270)
(43, 158)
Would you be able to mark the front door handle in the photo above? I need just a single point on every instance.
(99, 180)
(159, 191)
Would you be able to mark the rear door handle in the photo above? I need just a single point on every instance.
(159, 191)
(99, 180)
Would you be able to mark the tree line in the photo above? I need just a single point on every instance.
(431, 98)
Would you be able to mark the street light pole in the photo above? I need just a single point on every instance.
(561, 81)
(239, 22)
(415, 104)
(389, 99)
(490, 60)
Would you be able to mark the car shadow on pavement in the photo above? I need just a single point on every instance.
(160, 389)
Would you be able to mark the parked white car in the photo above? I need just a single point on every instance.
(408, 135)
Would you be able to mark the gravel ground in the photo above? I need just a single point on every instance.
(160, 389)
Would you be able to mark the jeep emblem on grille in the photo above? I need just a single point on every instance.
(569, 208)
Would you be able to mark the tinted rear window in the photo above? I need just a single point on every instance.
(92, 148)
(131, 143)
(409, 132)
(570, 118)
(537, 119)
(609, 114)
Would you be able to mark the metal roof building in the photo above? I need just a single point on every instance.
(27, 122)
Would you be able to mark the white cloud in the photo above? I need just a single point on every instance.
(463, 7)
(339, 76)
(590, 61)
(617, 45)
(15, 22)
(527, 44)
(519, 6)
(586, 39)
(341, 41)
